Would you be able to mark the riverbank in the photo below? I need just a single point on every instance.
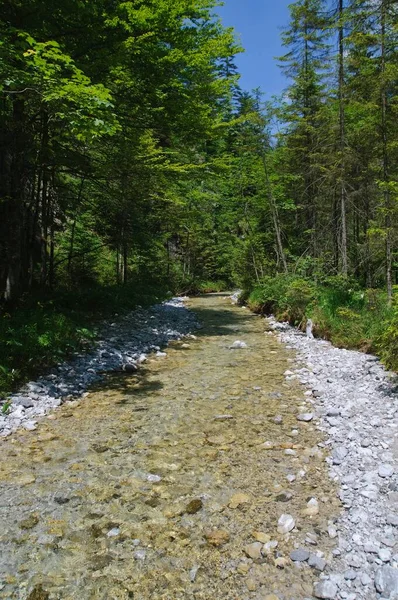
(339, 311)
(121, 345)
(355, 404)
(43, 329)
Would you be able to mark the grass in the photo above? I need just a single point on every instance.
(43, 329)
(341, 312)
(208, 287)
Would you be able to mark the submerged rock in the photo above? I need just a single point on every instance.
(253, 550)
(238, 344)
(300, 555)
(38, 593)
(194, 506)
(285, 524)
(217, 538)
(305, 417)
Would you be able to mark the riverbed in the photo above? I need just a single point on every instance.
(169, 483)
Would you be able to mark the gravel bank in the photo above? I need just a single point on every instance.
(355, 401)
(122, 345)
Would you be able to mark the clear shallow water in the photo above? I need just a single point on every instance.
(118, 496)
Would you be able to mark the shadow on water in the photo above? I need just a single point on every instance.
(214, 295)
(130, 387)
(221, 322)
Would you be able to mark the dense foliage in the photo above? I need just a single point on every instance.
(339, 310)
(107, 110)
(130, 154)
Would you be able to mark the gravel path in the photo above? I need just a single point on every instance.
(356, 403)
(122, 345)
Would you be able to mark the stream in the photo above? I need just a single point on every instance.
(169, 483)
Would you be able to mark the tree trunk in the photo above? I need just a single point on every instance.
(13, 279)
(384, 132)
(275, 217)
(45, 201)
(125, 263)
(343, 199)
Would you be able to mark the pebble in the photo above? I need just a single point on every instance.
(312, 508)
(384, 554)
(357, 404)
(153, 478)
(194, 506)
(261, 537)
(285, 523)
(355, 561)
(365, 579)
(365, 443)
(350, 575)
(306, 417)
(238, 500)
(317, 562)
(217, 538)
(386, 581)
(371, 548)
(386, 471)
(193, 573)
(270, 546)
(253, 550)
(339, 454)
(325, 589)
(300, 555)
(281, 562)
(392, 520)
(30, 425)
(251, 584)
(238, 344)
(332, 531)
(113, 532)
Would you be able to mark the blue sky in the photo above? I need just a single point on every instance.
(258, 26)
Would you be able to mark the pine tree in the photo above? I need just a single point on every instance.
(306, 64)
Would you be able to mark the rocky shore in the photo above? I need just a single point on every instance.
(121, 346)
(355, 403)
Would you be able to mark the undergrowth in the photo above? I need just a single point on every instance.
(341, 312)
(42, 329)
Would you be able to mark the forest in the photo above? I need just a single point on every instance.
(133, 165)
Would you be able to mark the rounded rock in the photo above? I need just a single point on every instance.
(300, 555)
(305, 417)
(325, 589)
(385, 471)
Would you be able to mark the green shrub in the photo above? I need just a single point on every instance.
(300, 295)
(268, 295)
(208, 287)
(340, 291)
(387, 341)
(42, 330)
(285, 295)
(341, 312)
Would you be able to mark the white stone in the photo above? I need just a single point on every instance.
(286, 523)
(325, 589)
(386, 471)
